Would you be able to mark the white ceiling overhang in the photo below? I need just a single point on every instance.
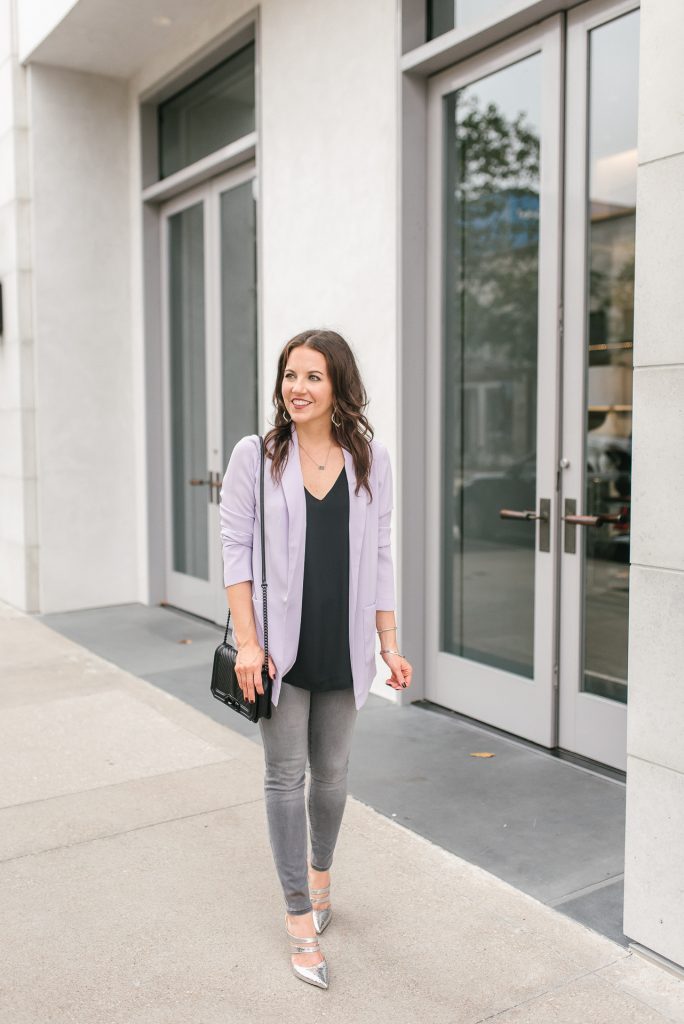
(109, 37)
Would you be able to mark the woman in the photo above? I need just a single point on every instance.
(330, 587)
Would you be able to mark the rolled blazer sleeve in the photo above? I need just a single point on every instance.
(385, 596)
(237, 511)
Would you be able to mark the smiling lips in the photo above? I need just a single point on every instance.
(299, 403)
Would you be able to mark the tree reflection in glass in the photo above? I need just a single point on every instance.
(491, 245)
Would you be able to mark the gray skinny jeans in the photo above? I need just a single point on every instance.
(320, 726)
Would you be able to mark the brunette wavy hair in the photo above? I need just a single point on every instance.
(349, 396)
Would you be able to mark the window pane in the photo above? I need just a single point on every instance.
(443, 15)
(216, 109)
(238, 315)
(613, 79)
(489, 402)
(440, 17)
(188, 402)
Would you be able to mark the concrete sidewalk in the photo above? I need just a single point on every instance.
(138, 884)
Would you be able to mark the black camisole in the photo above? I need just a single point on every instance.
(323, 661)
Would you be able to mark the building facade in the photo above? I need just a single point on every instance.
(484, 198)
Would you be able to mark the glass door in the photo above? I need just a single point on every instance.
(603, 61)
(494, 192)
(209, 373)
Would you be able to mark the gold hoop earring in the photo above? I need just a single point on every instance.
(286, 416)
(336, 422)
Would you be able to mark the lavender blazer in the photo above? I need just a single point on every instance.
(371, 572)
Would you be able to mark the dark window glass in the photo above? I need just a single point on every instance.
(440, 17)
(208, 114)
(238, 315)
(443, 15)
(188, 391)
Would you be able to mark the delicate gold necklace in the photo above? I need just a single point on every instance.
(312, 458)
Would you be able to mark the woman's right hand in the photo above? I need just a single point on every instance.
(248, 665)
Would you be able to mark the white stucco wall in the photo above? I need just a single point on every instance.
(329, 175)
(654, 840)
(85, 435)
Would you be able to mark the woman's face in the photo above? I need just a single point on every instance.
(306, 377)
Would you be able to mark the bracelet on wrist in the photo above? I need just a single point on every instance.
(387, 651)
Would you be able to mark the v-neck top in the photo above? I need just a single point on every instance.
(323, 661)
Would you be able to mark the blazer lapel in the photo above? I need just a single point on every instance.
(293, 489)
(357, 522)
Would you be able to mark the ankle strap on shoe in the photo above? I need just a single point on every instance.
(298, 943)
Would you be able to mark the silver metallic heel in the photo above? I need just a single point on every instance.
(316, 974)
(321, 917)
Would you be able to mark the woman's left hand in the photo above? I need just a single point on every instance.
(401, 671)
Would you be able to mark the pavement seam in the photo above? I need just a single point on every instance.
(535, 998)
(145, 693)
(557, 988)
(627, 992)
(477, 868)
(150, 696)
(491, 877)
(594, 887)
(111, 785)
(132, 681)
(127, 831)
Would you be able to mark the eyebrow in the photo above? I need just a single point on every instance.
(322, 372)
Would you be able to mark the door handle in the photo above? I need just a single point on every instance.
(573, 518)
(580, 519)
(544, 516)
(214, 481)
(512, 513)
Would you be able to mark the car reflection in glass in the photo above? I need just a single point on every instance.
(479, 497)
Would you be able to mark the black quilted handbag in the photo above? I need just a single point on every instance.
(224, 682)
